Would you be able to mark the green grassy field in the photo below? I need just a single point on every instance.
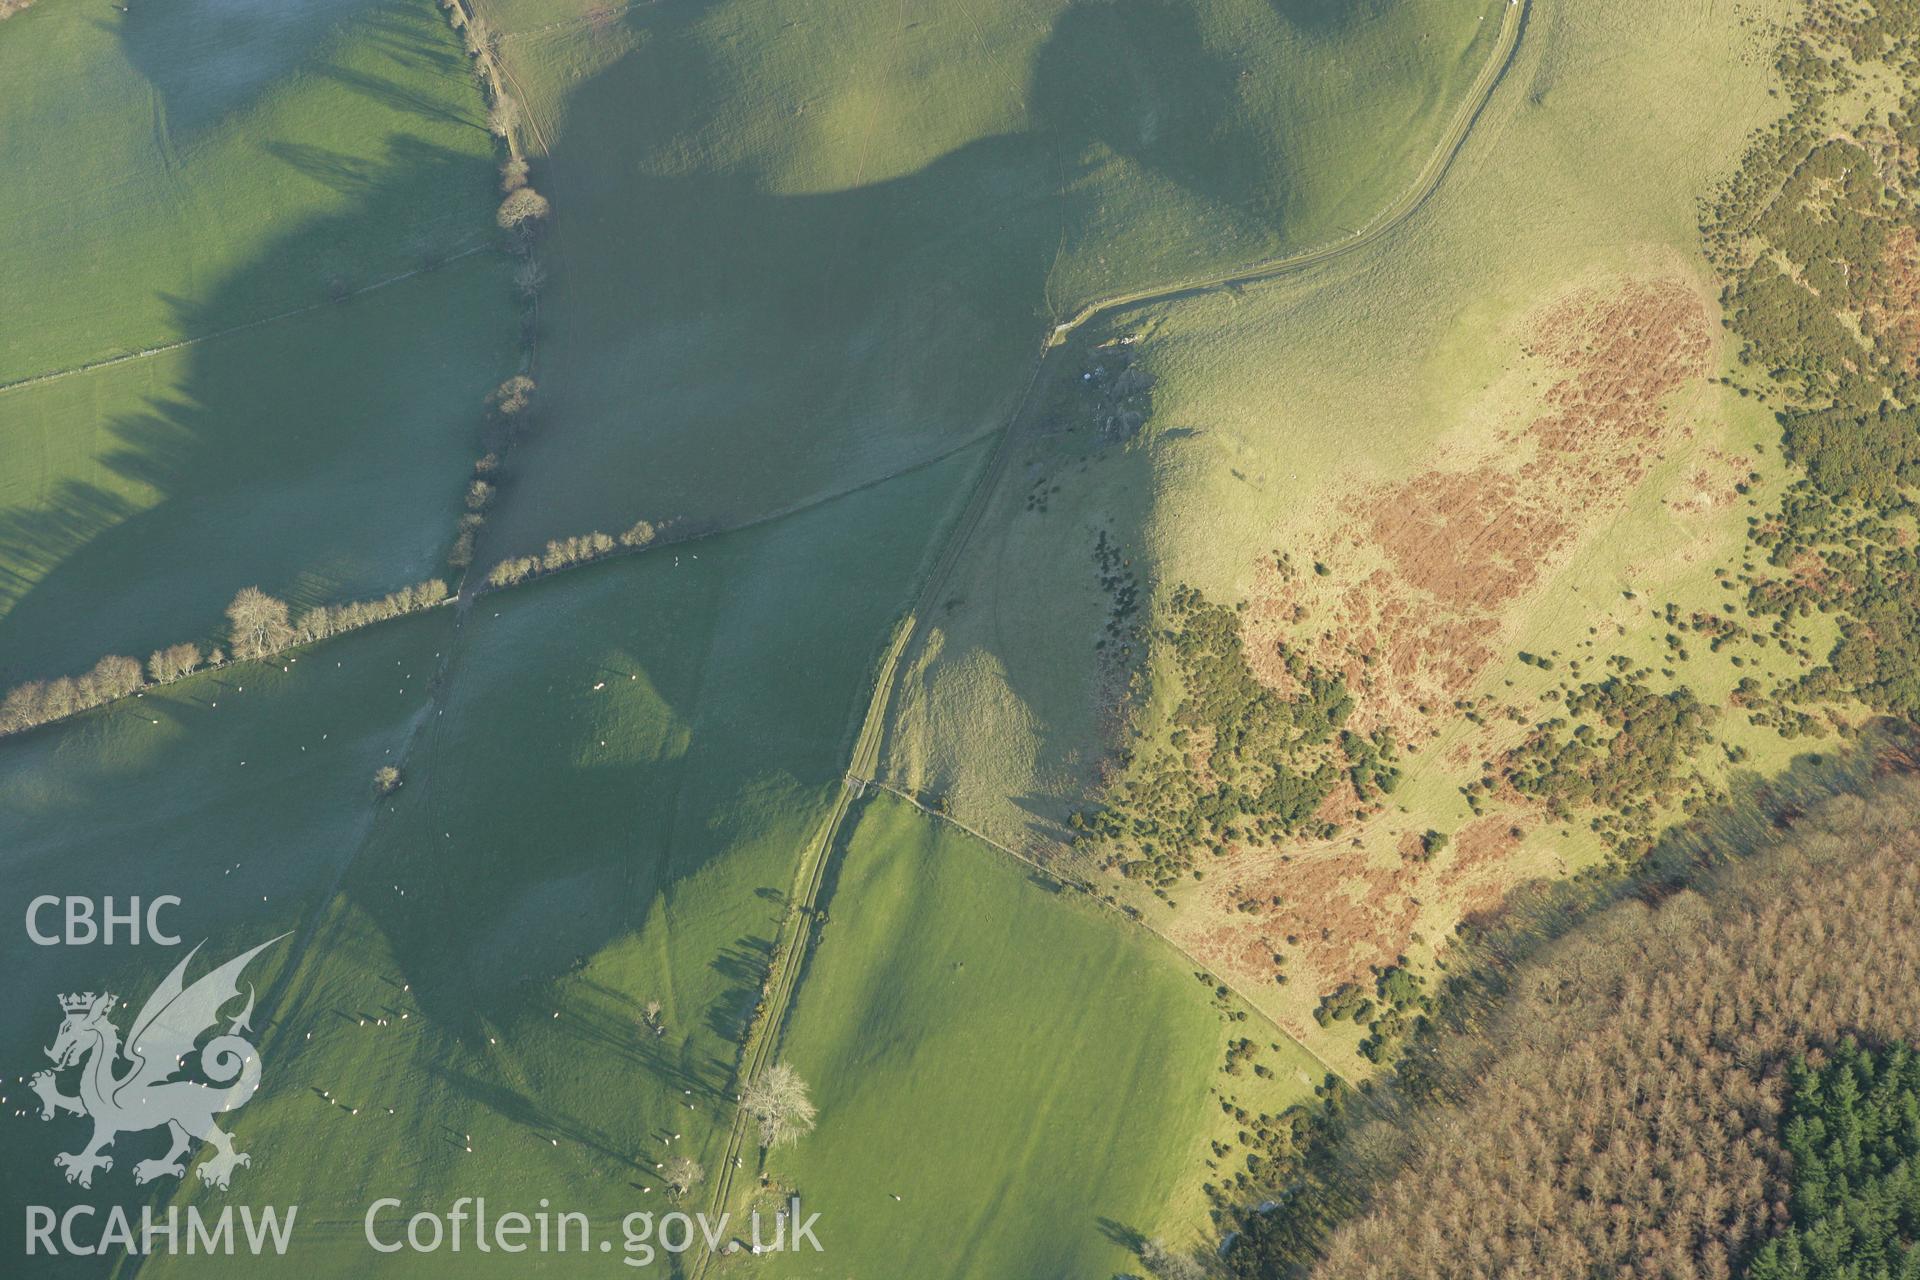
(245, 793)
(202, 184)
(1283, 416)
(554, 847)
(1032, 1079)
(558, 847)
(796, 247)
(802, 260)
(321, 457)
(341, 140)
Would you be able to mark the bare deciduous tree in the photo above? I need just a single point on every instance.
(172, 662)
(529, 278)
(522, 206)
(508, 572)
(1166, 1264)
(514, 395)
(314, 624)
(23, 707)
(503, 116)
(258, 623)
(35, 703)
(778, 1103)
(112, 677)
(480, 38)
(684, 1174)
(469, 532)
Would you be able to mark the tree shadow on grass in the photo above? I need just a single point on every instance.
(1135, 77)
(744, 966)
(540, 1119)
(1328, 16)
(724, 339)
(1128, 1238)
(213, 59)
(319, 456)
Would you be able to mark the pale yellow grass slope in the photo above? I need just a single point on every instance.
(1289, 417)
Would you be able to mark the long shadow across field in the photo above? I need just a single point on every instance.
(317, 456)
(720, 342)
(212, 59)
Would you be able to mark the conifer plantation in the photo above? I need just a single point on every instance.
(1648, 1100)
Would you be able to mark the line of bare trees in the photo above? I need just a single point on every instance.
(562, 553)
(39, 701)
(1619, 1114)
(522, 208)
(258, 626)
(506, 422)
(521, 213)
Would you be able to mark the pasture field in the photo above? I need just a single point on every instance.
(1030, 1077)
(224, 166)
(187, 167)
(246, 792)
(321, 458)
(1292, 624)
(630, 838)
(602, 806)
(797, 246)
(1449, 485)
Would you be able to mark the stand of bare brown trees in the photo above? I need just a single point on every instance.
(1618, 1116)
(38, 701)
(260, 625)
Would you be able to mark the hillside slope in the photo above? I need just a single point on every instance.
(797, 247)
(1334, 509)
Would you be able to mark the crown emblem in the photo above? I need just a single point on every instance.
(130, 1089)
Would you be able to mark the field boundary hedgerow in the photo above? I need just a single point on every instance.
(34, 703)
(671, 536)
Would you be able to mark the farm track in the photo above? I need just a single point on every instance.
(790, 956)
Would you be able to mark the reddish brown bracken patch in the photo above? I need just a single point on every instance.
(1459, 546)
(1426, 575)
(1340, 913)
(1895, 307)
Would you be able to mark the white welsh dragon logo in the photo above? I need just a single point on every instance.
(158, 1088)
